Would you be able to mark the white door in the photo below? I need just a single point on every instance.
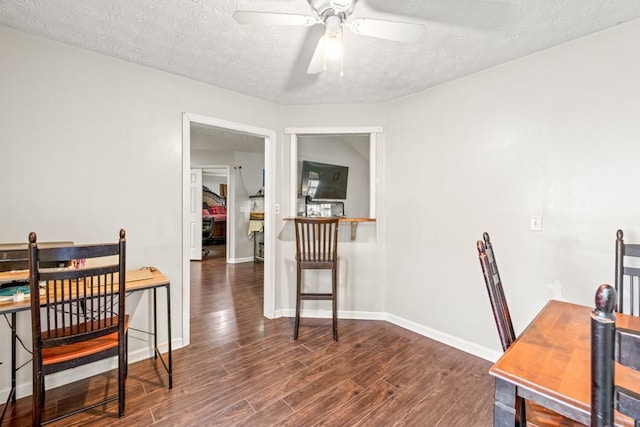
(195, 214)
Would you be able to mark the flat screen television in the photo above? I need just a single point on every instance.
(324, 181)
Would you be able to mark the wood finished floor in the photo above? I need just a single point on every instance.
(244, 370)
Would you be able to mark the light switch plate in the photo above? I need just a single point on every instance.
(535, 223)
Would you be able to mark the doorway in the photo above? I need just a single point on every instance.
(268, 138)
(215, 233)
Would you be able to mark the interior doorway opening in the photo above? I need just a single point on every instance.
(241, 207)
(215, 206)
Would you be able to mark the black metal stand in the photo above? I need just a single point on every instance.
(12, 393)
(167, 365)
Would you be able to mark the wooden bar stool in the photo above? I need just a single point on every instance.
(317, 249)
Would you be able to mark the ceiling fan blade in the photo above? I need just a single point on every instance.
(317, 61)
(270, 18)
(390, 30)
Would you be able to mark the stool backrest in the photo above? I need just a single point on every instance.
(316, 242)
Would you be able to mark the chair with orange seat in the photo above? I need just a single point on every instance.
(77, 314)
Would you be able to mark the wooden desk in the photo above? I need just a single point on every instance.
(550, 364)
(148, 278)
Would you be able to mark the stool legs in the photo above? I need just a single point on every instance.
(333, 296)
(334, 292)
(296, 326)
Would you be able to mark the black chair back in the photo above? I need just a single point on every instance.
(77, 314)
(608, 346)
(627, 279)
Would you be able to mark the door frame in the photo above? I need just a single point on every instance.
(195, 210)
(269, 201)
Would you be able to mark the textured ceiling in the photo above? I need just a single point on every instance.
(211, 138)
(199, 39)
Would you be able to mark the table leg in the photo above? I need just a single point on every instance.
(168, 365)
(12, 393)
(504, 409)
(14, 350)
(169, 334)
(155, 324)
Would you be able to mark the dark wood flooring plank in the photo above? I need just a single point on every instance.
(267, 416)
(323, 406)
(206, 402)
(404, 400)
(361, 405)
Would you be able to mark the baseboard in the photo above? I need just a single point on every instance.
(96, 368)
(450, 340)
(442, 337)
(240, 260)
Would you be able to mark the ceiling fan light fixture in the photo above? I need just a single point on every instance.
(334, 14)
(333, 38)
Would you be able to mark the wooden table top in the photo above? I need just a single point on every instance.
(552, 357)
(136, 280)
(340, 219)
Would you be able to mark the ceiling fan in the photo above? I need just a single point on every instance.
(333, 14)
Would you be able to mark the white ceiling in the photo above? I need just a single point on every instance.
(199, 39)
(211, 138)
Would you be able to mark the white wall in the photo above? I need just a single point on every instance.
(210, 157)
(213, 182)
(252, 165)
(553, 134)
(91, 144)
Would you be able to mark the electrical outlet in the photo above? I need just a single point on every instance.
(277, 209)
(535, 223)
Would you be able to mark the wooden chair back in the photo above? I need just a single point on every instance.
(496, 292)
(608, 347)
(627, 277)
(78, 313)
(316, 243)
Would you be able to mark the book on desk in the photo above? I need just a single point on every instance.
(9, 290)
